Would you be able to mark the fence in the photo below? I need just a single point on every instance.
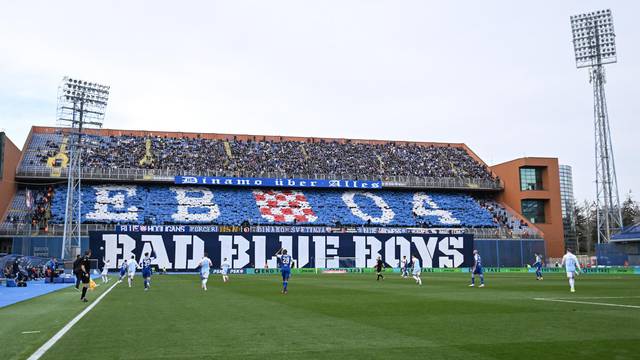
(21, 229)
(613, 254)
(168, 175)
(509, 253)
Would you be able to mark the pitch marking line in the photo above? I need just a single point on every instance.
(31, 332)
(593, 303)
(602, 297)
(43, 349)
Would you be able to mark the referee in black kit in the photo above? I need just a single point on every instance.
(85, 275)
(77, 271)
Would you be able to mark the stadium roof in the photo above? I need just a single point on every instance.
(630, 233)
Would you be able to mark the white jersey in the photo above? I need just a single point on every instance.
(570, 262)
(132, 266)
(225, 267)
(403, 263)
(205, 264)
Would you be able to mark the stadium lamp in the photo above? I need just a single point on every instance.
(594, 42)
(594, 39)
(89, 93)
(81, 104)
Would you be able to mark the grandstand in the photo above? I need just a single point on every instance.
(130, 179)
(129, 155)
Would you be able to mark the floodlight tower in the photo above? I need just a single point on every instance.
(594, 42)
(81, 104)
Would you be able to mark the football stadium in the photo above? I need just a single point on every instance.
(154, 244)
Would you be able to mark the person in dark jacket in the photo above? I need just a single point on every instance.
(77, 271)
(85, 268)
(379, 266)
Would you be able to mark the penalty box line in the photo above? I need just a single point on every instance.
(593, 303)
(43, 349)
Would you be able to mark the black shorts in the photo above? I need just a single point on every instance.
(85, 278)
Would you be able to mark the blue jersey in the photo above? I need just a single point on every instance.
(477, 268)
(538, 263)
(285, 262)
(478, 260)
(146, 263)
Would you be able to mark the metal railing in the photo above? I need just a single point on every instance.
(54, 230)
(168, 176)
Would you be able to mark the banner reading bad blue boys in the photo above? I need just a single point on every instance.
(182, 251)
(276, 183)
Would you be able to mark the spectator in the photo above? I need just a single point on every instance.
(52, 266)
(259, 157)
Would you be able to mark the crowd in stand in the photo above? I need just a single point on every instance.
(504, 219)
(286, 158)
(41, 207)
(50, 149)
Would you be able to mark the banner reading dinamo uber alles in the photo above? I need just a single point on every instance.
(182, 251)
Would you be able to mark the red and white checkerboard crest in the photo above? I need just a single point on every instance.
(284, 206)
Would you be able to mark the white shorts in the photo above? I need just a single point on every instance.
(131, 275)
(204, 275)
(570, 274)
(417, 273)
(105, 272)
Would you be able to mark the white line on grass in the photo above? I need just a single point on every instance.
(43, 349)
(600, 297)
(588, 303)
(31, 332)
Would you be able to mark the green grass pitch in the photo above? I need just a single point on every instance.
(336, 317)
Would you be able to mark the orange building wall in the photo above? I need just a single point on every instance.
(509, 173)
(7, 184)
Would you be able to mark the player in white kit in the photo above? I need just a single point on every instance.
(105, 272)
(417, 270)
(225, 270)
(205, 267)
(131, 269)
(570, 262)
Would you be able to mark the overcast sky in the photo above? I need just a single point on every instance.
(499, 76)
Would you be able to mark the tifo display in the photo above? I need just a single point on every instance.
(137, 204)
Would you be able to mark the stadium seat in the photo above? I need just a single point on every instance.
(135, 204)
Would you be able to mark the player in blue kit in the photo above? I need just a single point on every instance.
(538, 266)
(477, 269)
(285, 268)
(123, 270)
(146, 270)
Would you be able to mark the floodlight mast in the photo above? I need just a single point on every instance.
(594, 45)
(81, 104)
